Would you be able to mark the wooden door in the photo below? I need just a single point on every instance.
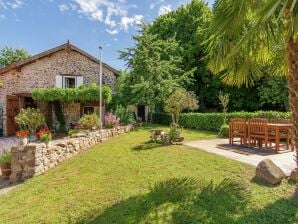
(12, 110)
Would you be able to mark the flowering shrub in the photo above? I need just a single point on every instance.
(111, 120)
(89, 121)
(44, 135)
(22, 133)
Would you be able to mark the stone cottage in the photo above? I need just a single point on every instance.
(65, 66)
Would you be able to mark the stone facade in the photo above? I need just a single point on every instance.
(35, 158)
(41, 73)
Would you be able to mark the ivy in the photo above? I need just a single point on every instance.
(82, 94)
(60, 116)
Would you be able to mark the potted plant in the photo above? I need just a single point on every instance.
(30, 119)
(23, 134)
(5, 164)
(45, 136)
(175, 133)
(89, 122)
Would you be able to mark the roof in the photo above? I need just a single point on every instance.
(66, 46)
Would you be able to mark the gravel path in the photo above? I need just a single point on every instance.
(7, 142)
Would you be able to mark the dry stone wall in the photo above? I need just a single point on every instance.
(35, 158)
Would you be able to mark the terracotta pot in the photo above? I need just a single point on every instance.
(5, 170)
(179, 139)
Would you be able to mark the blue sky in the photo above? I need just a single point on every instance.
(38, 25)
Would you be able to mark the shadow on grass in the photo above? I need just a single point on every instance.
(187, 200)
(148, 145)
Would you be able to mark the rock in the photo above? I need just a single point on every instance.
(269, 172)
(294, 175)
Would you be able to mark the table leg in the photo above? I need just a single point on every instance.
(277, 139)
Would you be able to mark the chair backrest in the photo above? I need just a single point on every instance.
(238, 125)
(280, 121)
(257, 126)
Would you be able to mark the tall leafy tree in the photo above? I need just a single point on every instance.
(245, 35)
(9, 55)
(155, 69)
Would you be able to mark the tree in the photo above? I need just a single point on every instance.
(9, 55)
(156, 69)
(246, 35)
(224, 101)
(179, 101)
(273, 93)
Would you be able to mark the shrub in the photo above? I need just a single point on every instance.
(89, 121)
(30, 119)
(5, 158)
(175, 131)
(224, 131)
(73, 131)
(179, 101)
(213, 121)
(111, 120)
(125, 115)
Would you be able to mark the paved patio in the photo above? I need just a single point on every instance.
(284, 159)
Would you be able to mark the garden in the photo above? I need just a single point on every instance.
(127, 180)
(196, 70)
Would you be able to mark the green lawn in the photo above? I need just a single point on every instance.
(126, 180)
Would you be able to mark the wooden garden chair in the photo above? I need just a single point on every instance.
(258, 132)
(238, 129)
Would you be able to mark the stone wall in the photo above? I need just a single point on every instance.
(35, 158)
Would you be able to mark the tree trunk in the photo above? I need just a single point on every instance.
(292, 50)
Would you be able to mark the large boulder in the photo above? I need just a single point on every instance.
(294, 175)
(269, 172)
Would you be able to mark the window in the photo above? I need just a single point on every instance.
(90, 110)
(70, 82)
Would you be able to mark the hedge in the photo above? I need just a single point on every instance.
(213, 121)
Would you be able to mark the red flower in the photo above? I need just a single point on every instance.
(22, 134)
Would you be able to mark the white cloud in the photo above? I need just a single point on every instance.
(113, 13)
(11, 4)
(164, 9)
(112, 32)
(126, 22)
(63, 7)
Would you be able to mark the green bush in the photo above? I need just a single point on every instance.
(175, 131)
(89, 121)
(30, 119)
(125, 114)
(224, 131)
(5, 158)
(73, 131)
(213, 121)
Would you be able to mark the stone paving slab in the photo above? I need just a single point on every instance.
(285, 160)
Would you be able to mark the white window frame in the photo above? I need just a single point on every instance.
(64, 77)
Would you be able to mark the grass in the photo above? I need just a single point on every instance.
(123, 181)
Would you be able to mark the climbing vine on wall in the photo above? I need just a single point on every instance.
(83, 93)
(60, 116)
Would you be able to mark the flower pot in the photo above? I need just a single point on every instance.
(5, 170)
(48, 144)
(179, 139)
(24, 141)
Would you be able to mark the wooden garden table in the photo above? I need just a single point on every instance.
(278, 128)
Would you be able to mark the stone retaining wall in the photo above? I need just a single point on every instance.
(35, 159)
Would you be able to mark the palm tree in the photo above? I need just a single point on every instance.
(246, 36)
